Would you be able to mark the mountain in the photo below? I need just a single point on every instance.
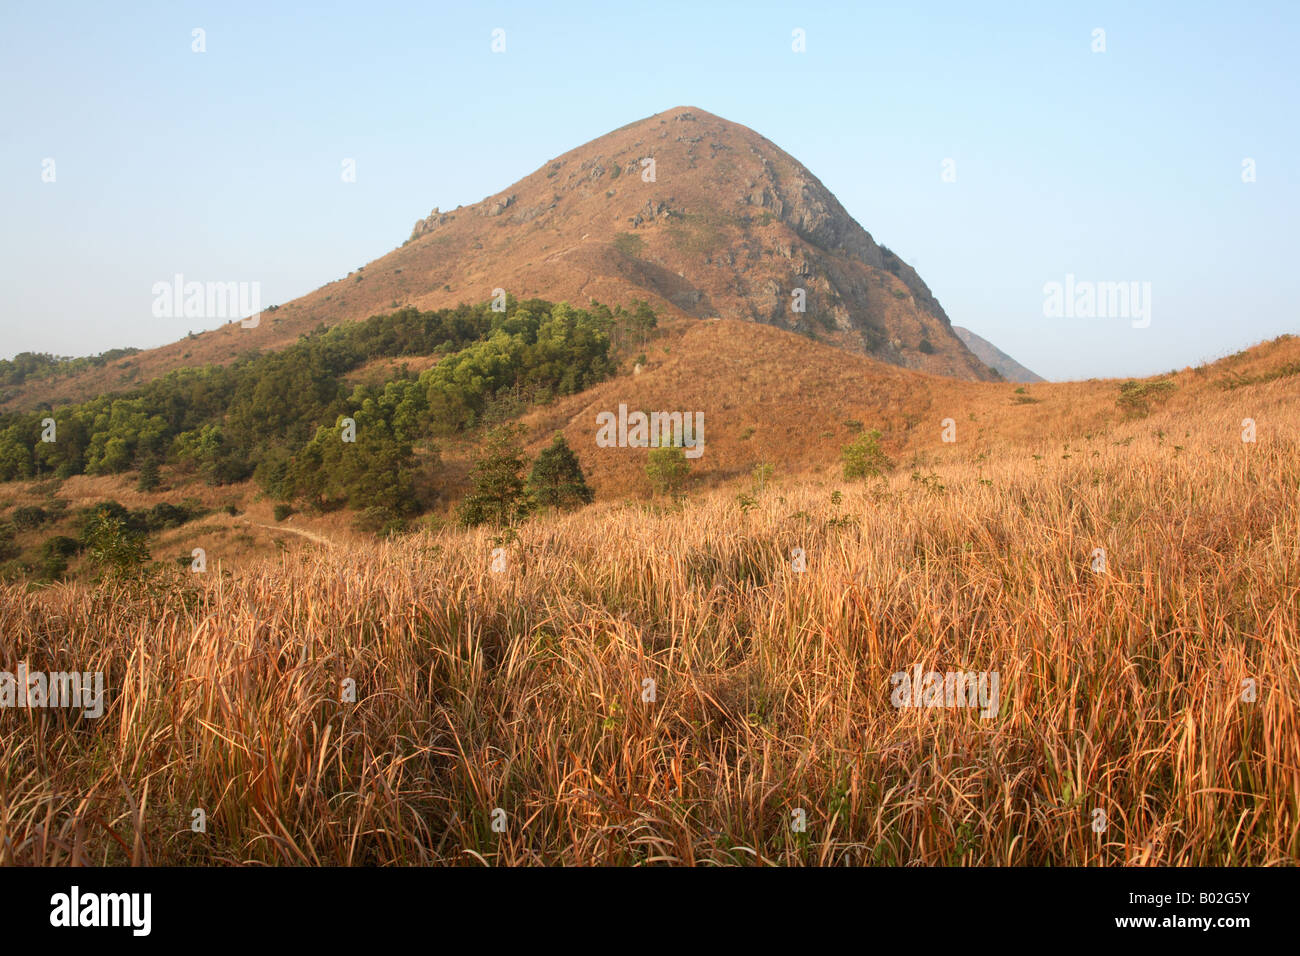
(730, 227)
(995, 358)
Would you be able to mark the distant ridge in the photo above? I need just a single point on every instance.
(995, 358)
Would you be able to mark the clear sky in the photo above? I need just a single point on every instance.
(1124, 165)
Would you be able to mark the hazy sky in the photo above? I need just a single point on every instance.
(1124, 165)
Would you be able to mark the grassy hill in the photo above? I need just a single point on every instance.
(1159, 689)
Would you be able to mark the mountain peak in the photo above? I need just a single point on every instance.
(697, 215)
(702, 217)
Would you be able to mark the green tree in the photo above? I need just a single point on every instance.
(864, 458)
(667, 469)
(556, 480)
(498, 495)
(149, 479)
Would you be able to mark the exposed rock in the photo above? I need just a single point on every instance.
(430, 223)
(496, 207)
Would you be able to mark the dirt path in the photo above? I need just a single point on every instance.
(310, 535)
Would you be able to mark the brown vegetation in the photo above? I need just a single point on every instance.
(523, 689)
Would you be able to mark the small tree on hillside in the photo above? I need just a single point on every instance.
(114, 547)
(643, 320)
(498, 494)
(149, 479)
(667, 470)
(556, 480)
(864, 458)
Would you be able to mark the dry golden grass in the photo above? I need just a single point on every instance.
(522, 690)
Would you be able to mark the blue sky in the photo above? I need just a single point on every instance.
(1117, 166)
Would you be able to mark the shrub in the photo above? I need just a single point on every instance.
(166, 515)
(373, 519)
(667, 469)
(113, 546)
(29, 517)
(53, 561)
(60, 544)
(88, 517)
(1136, 397)
(864, 458)
(281, 511)
(628, 244)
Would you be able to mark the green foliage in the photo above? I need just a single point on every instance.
(1136, 397)
(281, 511)
(629, 244)
(165, 515)
(556, 480)
(149, 479)
(379, 520)
(930, 482)
(139, 522)
(864, 458)
(498, 496)
(1240, 380)
(274, 416)
(27, 366)
(113, 546)
(52, 562)
(27, 517)
(667, 469)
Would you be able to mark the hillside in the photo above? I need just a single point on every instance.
(729, 228)
(768, 397)
(1154, 693)
(995, 358)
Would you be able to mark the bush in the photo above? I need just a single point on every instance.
(114, 546)
(1136, 397)
(281, 511)
(61, 545)
(864, 458)
(29, 517)
(88, 517)
(373, 519)
(165, 515)
(53, 561)
(667, 469)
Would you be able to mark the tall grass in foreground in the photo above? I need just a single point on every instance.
(522, 690)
